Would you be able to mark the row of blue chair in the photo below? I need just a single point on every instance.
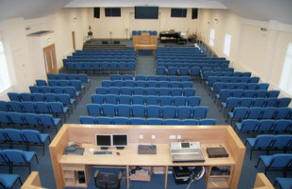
(187, 60)
(163, 57)
(13, 158)
(100, 57)
(146, 100)
(215, 69)
(55, 108)
(26, 137)
(138, 32)
(283, 183)
(143, 121)
(100, 60)
(276, 162)
(264, 126)
(218, 86)
(231, 79)
(42, 97)
(183, 112)
(30, 119)
(77, 84)
(190, 65)
(269, 143)
(233, 102)
(114, 67)
(105, 51)
(147, 84)
(61, 76)
(146, 91)
(149, 78)
(241, 113)
(8, 181)
(205, 75)
(240, 93)
(54, 89)
(194, 71)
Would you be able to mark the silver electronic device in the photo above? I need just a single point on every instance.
(186, 152)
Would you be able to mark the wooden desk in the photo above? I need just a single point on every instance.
(262, 182)
(145, 42)
(64, 166)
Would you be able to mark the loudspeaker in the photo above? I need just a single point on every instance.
(96, 12)
(194, 13)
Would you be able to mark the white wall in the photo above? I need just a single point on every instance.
(25, 54)
(252, 49)
(17, 54)
(121, 27)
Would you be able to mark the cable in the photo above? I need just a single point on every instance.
(195, 177)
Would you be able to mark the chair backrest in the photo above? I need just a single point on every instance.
(264, 141)
(15, 156)
(13, 135)
(280, 160)
(31, 136)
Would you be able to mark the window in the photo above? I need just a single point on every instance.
(146, 12)
(112, 12)
(227, 43)
(212, 37)
(286, 77)
(182, 13)
(4, 76)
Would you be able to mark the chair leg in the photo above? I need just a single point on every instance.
(257, 164)
(36, 158)
(19, 180)
(10, 168)
(44, 150)
(29, 167)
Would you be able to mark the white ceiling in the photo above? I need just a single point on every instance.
(264, 10)
(215, 4)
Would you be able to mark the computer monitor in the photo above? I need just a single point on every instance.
(103, 140)
(120, 140)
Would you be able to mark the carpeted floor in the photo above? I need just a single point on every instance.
(147, 66)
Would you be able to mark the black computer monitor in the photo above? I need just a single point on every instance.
(120, 140)
(104, 140)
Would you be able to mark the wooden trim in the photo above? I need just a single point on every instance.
(262, 182)
(237, 152)
(56, 149)
(51, 48)
(32, 181)
(73, 40)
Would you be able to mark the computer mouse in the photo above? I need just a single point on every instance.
(118, 153)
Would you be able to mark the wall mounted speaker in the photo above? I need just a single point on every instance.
(194, 13)
(96, 12)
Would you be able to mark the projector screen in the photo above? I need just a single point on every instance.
(146, 12)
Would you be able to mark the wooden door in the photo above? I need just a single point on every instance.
(50, 59)
(73, 40)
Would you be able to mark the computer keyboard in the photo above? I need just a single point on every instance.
(102, 152)
(146, 149)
